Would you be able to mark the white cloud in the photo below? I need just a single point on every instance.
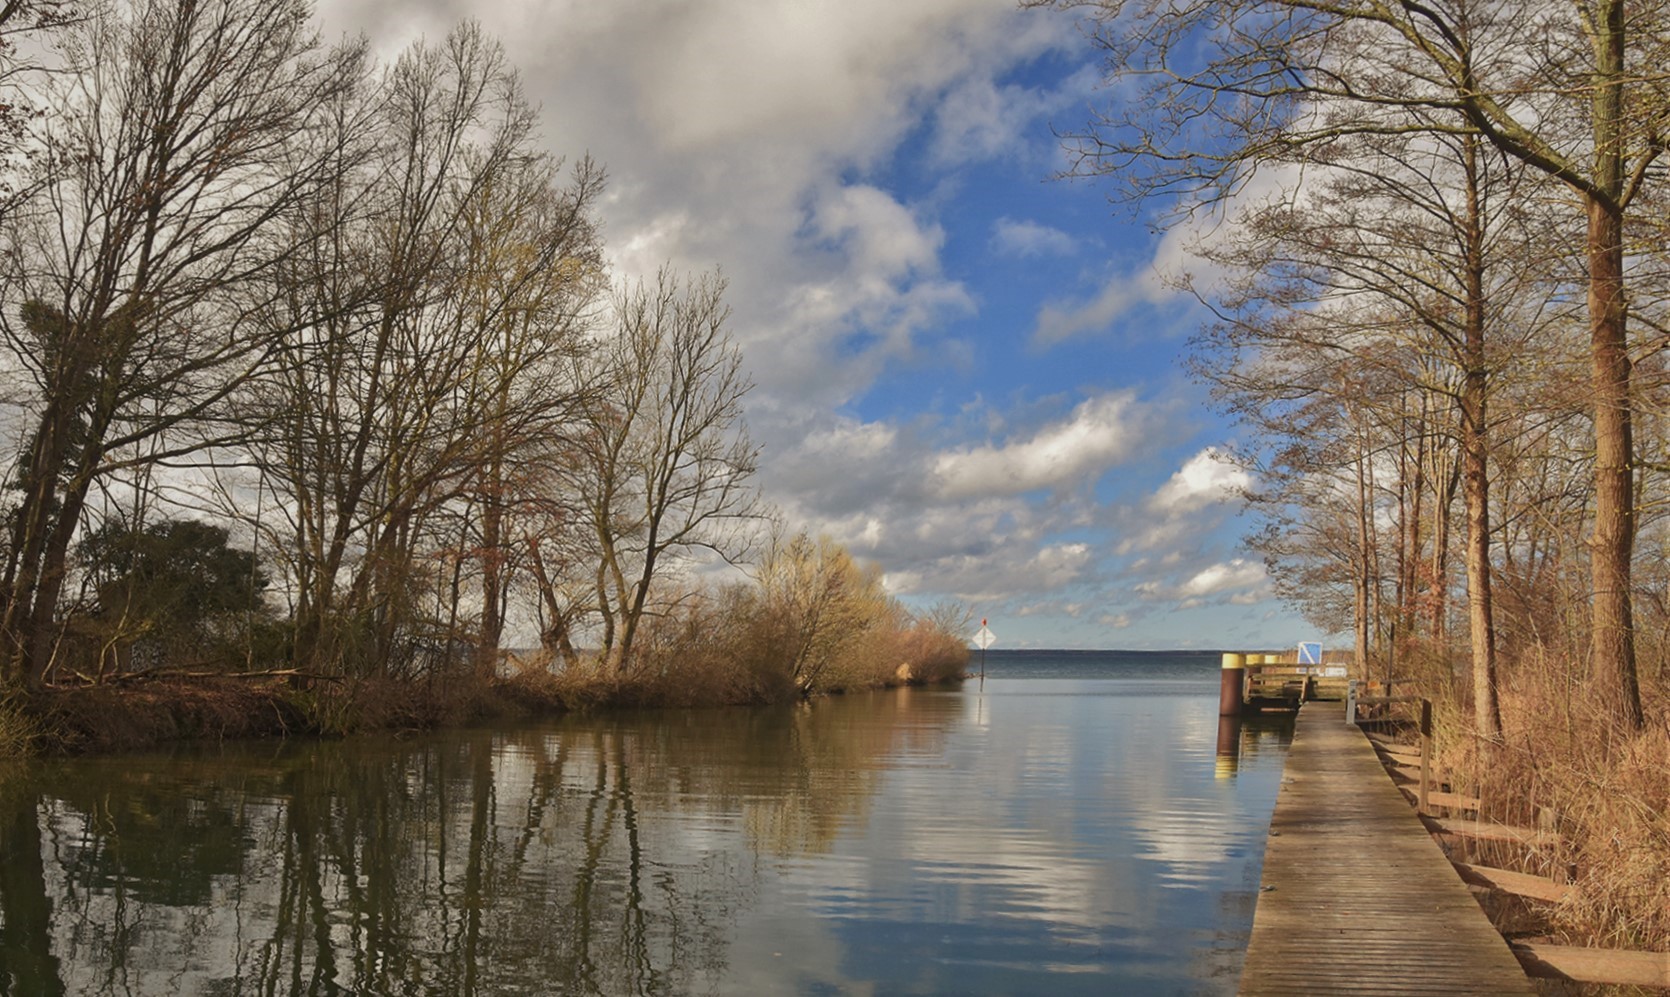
(1236, 575)
(879, 235)
(1236, 582)
(1189, 504)
(1206, 479)
(1060, 321)
(1100, 433)
(979, 119)
(749, 135)
(1028, 238)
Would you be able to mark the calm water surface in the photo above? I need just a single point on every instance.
(1066, 828)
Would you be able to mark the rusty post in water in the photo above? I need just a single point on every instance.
(1229, 748)
(1229, 690)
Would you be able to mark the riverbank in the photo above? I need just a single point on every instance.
(1564, 766)
(1587, 802)
(141, 713)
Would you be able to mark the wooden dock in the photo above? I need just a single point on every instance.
(1356, 896)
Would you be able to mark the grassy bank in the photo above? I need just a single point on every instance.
(692, 660)
(812, 622)
(1563, 764)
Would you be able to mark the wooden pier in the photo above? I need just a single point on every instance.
(1356, 897)
(1257, 682)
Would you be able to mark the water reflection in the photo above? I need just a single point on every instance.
(1037, 837)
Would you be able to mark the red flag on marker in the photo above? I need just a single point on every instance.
(982, 621)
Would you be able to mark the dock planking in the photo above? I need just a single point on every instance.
(1356, 896)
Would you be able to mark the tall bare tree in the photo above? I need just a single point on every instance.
(1424, 246)
(440, 310)
(667, 461)
(176, 136)
(1577, 91)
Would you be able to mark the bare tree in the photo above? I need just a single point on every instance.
(177, 135)
(1423, 247)
(22, 22)
(441, 310)
(667, 462)
(1577, 92)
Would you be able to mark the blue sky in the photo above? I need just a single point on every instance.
(965, 371)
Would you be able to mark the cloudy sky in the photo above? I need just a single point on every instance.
(965, 371)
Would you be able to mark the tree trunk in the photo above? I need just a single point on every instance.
(492, 554)
(1611, 545)
(1440, 567)
(1360, 582)
(1475, 452)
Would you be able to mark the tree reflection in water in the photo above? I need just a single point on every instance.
(596, 855)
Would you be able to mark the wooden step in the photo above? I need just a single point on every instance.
(1490, 831)
(1618, 967)
(1517, 883)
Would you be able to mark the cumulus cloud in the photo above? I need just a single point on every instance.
(1206, 479)
(880, 235)
(1060, 321)
(1192, 501)
(1100, 432)
(1133, 290)
(1028, 238)
(752, 135)
(1237, 582)
(1233, 576)
(978, 118)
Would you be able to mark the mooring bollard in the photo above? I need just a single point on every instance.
(1229, 689)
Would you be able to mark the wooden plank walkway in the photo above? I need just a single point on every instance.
(1356, 896)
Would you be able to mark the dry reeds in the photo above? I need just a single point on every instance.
(815, 623)
(19, 729)
(1565, 764)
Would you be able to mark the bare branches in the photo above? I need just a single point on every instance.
(668, 465)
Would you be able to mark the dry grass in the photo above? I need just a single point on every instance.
(110, 718)
(1565, 764)
(741, 646)
(20, 729)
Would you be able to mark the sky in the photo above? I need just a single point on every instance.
(967, 371)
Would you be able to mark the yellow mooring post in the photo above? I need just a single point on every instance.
(1229, 690)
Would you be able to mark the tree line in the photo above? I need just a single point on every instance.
(317, 362)
(1438, 281)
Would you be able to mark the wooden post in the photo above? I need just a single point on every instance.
(1351, 701)
(1229, 685)
(1426, 754)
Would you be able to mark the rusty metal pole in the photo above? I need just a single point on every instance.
(1426, 754)
(1229, 687)
(1229, 747)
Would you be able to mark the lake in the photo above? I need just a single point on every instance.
(1066, 826)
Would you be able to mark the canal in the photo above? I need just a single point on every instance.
(1065, 827)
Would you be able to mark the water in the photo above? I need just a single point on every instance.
(1066, 829)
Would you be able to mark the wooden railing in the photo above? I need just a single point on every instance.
(1353, 700)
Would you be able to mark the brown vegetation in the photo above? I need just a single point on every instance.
(364, 318)
(1565, 764)
(816, 623)
(1442, 328)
